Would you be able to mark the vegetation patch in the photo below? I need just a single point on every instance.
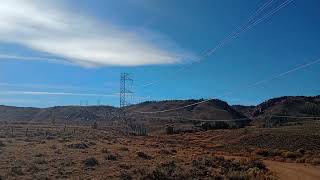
(16, 171)
(91, 162)
(78, 146)
(166, 171)
(104, 150)
(111, 157)
(209, 168)
(144, 155)
(2, 144)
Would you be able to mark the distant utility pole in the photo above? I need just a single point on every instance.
(125, 84)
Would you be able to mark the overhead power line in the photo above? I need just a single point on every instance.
(251, 22)
(204, 120)
(297, 117)
(246, 87)
(245, 29)
(231, 120)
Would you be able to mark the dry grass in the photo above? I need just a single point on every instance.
(54, 153)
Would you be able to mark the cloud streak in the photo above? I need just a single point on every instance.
(46, 93)
(55, 86)
(31, 58)
(56, 93)
(49, 28)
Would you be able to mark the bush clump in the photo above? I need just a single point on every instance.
(111, 157)
(104, 150)
(2, 144)
(291, 155)
(166, 171)
(262, 152)
(315, 161)
(17, 171)
(169, 130)
(144, 155)
(125, 176)
(90, 162)
(215, 125)
(209, 168)
(78, 146)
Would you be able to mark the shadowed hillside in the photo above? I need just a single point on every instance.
(214, 109)
(246, 110)
(189, 119)
(186, 118)
(211, 110)
(294, 106)
(59, 114)
(289, 105)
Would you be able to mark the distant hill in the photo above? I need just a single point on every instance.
(289, 105)
(245, 110)
(211, 110)
(298, 106)
(189, 118)
(59, 114)
(12, 114)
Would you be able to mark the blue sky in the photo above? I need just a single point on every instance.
(62, 52)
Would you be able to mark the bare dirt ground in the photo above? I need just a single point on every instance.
(80, 152)
(284, 170)
(293, 171)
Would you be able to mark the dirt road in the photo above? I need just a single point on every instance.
(294, 171)
(290, 171)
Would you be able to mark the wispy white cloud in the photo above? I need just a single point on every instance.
(31, 58)
(57, 86)
(13, 100)
(47, 27)
(45, 93)
(55, 93)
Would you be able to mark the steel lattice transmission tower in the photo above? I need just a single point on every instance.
(125, 84)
